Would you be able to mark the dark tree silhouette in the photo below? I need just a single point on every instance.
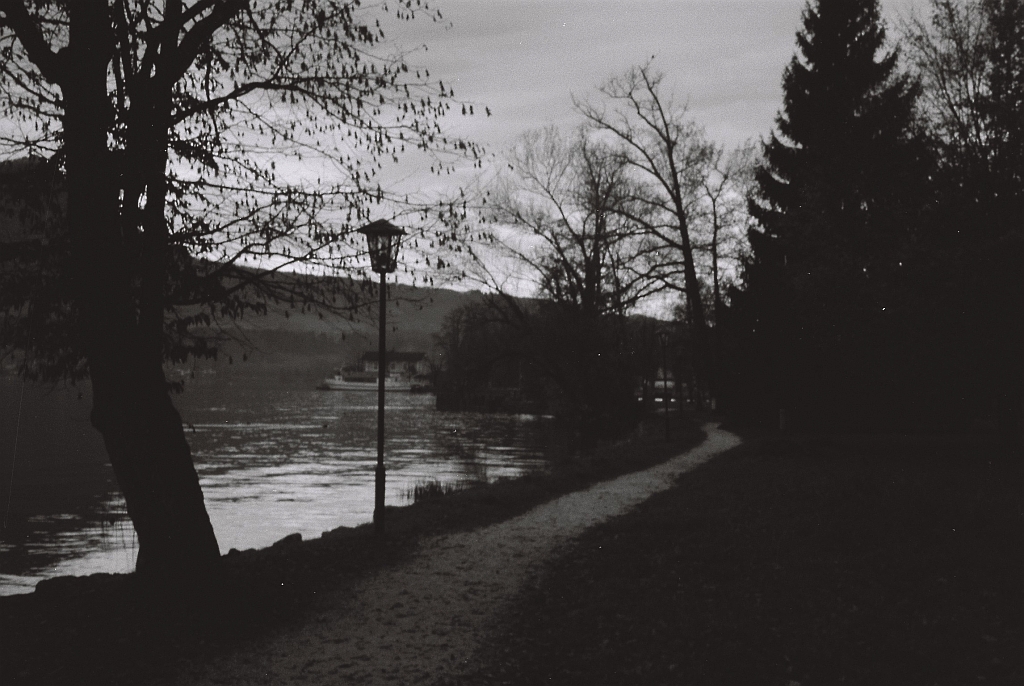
(970, 57)
(191, 141)
(839, 193)
(668, 154)
(555, 227)
(723, 219)
(484, 363)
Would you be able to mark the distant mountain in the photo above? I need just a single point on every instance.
(288, 346)
(413, 310)
(293, 343)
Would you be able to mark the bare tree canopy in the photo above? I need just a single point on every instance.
(238, 135)
(670, 155)
(560, 213)
(193, 141)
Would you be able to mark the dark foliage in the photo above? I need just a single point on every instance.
(966, 293)
(515, 355)
(839, 192)
(884, 280)
(37, 313)
(483, 367)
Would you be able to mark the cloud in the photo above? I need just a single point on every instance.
(525, 59)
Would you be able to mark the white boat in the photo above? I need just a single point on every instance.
(361, 381)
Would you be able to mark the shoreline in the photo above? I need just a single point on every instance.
(424, 620)
(71, 627)
(765, 565)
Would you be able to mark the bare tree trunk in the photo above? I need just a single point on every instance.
(702, 364)
(716, 344)
(131, 407)
(153, 462)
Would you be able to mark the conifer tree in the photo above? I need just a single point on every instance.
(836, 198)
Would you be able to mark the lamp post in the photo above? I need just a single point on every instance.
(383, 239)
(663, 337)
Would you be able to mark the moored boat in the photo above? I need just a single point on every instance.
(358, 381)
(404, 372)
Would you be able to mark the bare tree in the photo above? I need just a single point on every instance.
(969, 58)
(554, 225)
(950, 52)
(669, 155)
(559, 214)
(722, 219)
(194, 140)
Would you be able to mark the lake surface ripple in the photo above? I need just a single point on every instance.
(276, 462)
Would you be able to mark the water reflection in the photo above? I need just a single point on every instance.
(274, 462)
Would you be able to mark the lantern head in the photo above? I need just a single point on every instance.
(383, 239)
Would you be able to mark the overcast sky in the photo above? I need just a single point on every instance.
(526, 58)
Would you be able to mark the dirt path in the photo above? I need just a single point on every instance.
(415, 623)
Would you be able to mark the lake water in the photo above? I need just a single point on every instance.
(271, 462)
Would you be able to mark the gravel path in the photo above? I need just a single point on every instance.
(424, 619)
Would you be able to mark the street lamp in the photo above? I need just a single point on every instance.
(383, 239)
(663, 336)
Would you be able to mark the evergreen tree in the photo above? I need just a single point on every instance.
(837, 196)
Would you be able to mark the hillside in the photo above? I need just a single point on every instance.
(299, 349)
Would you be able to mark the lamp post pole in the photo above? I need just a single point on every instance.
(666, 398)
(379, 475)
(382, 237)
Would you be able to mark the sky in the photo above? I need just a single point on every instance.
(526, 59)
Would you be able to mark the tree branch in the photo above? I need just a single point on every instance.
(46, 60)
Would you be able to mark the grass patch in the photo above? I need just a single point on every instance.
(432, 489)
(843, 560)
(118, 629)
